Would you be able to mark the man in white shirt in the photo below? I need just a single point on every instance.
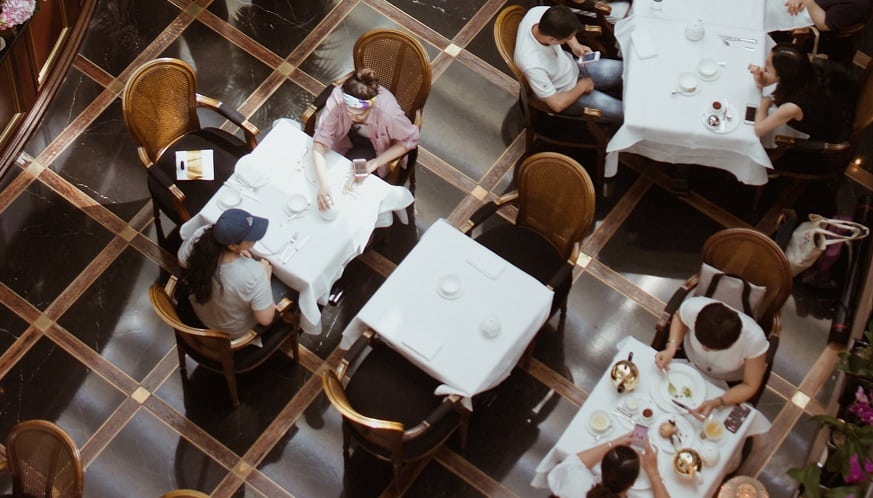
(556, 77)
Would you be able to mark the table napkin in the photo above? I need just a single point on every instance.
(423, 344)
(643, 43)
(487, 264)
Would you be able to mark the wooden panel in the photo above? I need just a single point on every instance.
(45, 30)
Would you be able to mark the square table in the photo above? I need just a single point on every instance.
(443, 335)
(323, 248)
(670, 127)
(577, 436)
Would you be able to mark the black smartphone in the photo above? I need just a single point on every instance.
(638, 438)
(736, 417)
(750, 114)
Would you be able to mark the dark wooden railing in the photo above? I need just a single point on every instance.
(32, 67)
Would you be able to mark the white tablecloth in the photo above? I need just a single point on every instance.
(670, 128)
(577, 437)
(285, 156)
(442, 336)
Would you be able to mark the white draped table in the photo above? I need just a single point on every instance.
(442, 335)
(577, 436)
(285, 157)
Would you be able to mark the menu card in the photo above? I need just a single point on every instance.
(194, 165)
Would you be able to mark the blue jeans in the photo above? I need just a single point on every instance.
(606, 74)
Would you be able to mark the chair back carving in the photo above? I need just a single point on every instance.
(201, 344)
(556, 199)
(159, 104)
(400, 63)
(754, 257)
(383, 438)
(44, 461)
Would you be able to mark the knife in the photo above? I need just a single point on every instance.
(685, 407)
(738, 38)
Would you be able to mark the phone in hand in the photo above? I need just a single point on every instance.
(736, 417)
(589, 57)
(638, 438)
(749, 118)
(359, 166)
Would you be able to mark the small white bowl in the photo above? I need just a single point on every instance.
(297, 203)
(708, 68)
(632, 404)
(229, 199)
(449, 286)
(599, 421)
(490, 327)
(687, 82)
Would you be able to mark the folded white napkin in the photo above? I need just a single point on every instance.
(487, 264)
(423, 344)
(643, 43)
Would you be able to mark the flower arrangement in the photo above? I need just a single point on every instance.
(15, 12)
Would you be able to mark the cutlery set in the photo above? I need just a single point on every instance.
(293, 247)
(737, 41)
(242, 189)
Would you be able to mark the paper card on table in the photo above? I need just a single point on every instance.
(423, 344)
(195, 165)
(487, 264)
(643, 43)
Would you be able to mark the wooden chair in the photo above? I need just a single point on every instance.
(185, 493)
(389, 408)
(214, 349)
(403, 67)
(755, 258)
(44, 461)
(541, 124)
(555, 200)
(160, 110)
(834, 45)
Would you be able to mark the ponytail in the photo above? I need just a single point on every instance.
(203, 265)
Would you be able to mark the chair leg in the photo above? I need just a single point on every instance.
(398, 476)
(412, 180)
(564, 308)
(183, 368)
(156, 213)
(230, 377)
(345, 442)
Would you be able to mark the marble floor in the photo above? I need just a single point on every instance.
(81, 345)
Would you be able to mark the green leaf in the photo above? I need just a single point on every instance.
(809, 477)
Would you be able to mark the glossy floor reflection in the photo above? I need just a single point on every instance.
(81, 345)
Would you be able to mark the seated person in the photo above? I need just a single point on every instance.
(802, 102)
(230, 291)
(618, 470)
(361, 120)
(832, 15)
(555, 76)
(723, 344)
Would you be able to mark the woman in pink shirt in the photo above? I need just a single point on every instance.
(361, 120)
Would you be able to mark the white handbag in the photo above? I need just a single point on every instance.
(811, 238)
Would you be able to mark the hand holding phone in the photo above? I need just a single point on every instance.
(359, 166)
(639, 436)
(589, 57)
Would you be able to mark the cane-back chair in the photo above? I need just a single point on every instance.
(160, 110)
(185, 493)
(214, 349)
(541, 123)
(44, 461)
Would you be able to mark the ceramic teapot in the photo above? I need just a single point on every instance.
(695, 30)
(625, 374)
(687, 463)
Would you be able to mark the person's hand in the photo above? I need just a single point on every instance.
(794, 6)
(325, 199)
(579, 50)
(663, 359)
(758, 75)
(586, 84)
(706, 407)
(267, 267)
(649, 459)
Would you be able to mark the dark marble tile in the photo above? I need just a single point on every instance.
(803, 338)
(45, 244)
(725, 191)
(396, 241)
(10, 174)
(121, 29)
(468, 122)
(436, 481)
(279, 25)
(446, 17)
(103, 163)
(289, 101)
(263, 392)
(115, 318)
(483, 46)
(434, 199)
(651, 250)
(791, 454)
(308, 460)
(75, 94)
(50, 384)
(11, 327)
(147, 459)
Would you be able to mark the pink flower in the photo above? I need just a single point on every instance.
(15, 12)
(856, 474)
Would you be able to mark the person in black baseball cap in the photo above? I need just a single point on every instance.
(230, 291)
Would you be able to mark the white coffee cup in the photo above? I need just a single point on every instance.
(687, 82)
(712, 429)
(599, 421)
(707, 68)
(717, 108)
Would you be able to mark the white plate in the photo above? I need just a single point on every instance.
(709, 78)
(608, 428)
(297, 203)
(682, 375)
(449, 287)
(724, 125)
(229, 199)
(686, 433)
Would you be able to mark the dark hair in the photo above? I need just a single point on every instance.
(717, 326)
(363, 84)
(203, 265)
(559, 22)
(618, 469)
(794, 70)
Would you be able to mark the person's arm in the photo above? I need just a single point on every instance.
(766, 122)
(753, 375)
(818, 14)
(578, 48)
(318, 162)
(559, 101)
(592, 456)
(649, 463)
(678, 329)
(391, 153)
(265, 316)
(762, 78)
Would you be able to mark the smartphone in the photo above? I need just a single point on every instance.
(360, 168)
(750, 114)
(736, 417)
(638, 438)
(589, 57)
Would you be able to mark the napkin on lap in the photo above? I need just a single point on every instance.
(643, 43)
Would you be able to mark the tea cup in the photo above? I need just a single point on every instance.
(717, 108)
(712, 430)
(687, 82)
(707, 68)
(599, 421)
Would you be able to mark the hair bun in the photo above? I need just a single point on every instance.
(367, 76)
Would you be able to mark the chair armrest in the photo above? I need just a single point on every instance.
(354, 352)
(169, 185)
(287, 311)
(810, 145)
(442, 411)
(563, 273)
(243, 341)
(486, 210)
(233, 115)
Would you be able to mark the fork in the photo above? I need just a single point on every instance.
(733, 44)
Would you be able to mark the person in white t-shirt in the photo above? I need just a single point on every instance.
(724, 344)
(566, 85)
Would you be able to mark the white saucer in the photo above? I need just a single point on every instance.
(725, 125)
(297, 203)
(687, 92)
(709, 78)
(449, 287)
(230, 199)
(606, 430)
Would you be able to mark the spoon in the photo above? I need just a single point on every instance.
(732, 44)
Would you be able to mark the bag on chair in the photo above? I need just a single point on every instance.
(811, 238)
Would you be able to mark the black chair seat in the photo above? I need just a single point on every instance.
(531, 253)
(227, 149)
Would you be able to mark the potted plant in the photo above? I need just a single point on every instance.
(15, 12)
(858, 360)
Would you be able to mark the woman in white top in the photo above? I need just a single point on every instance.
(619, 466)
(723, 343)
